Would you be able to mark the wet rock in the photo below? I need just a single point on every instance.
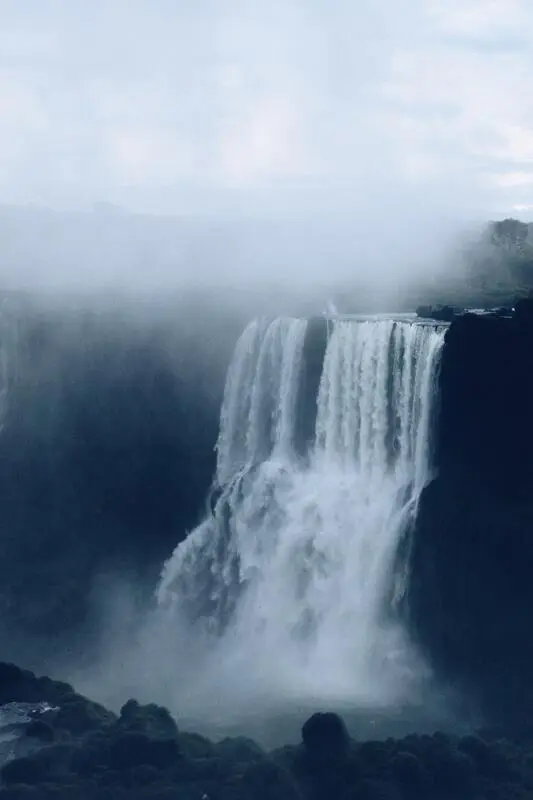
(130, 749)
(77, 715)
(152, 720)
(239, 750)
(314, 349)
(144, 775)
(58, 761)
(372, 789)
(269, 781)
(406, 770)
(22, 791)
(23, 770)
(476, 748)
(523, 311)
(22, 686)
(194, 745)
(38, 729)
(454, 772)
(325, 737)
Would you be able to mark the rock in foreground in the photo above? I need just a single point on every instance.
(81, 751)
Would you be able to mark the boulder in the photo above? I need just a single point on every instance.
(77, 715)
(153, 720)
(407, 770)
(129, 749)
(40, 730)
(325, 737)
(239, 749)
(269, 781)
(23, 770)
(22, 686)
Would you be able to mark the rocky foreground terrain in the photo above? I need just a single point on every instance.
(75, 749)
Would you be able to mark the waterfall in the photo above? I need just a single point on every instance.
(297, 571)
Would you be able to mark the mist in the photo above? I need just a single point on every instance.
(115, 253)
(214, 688)
(153, 147)
(199, 164)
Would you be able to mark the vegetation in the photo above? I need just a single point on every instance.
(500, 263)
(79, 750)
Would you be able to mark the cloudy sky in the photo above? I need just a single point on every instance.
(208, 104)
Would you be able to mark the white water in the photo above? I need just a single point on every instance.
(14, 717)
(307, 559)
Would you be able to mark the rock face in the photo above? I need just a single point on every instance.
(486, 400)
(472, 572)
(315, 343)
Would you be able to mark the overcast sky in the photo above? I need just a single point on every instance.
(169, 105)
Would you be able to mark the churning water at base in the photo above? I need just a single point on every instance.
(294, 580)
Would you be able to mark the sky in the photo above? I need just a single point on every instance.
(239, 105)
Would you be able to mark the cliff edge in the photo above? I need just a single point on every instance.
(472, 572)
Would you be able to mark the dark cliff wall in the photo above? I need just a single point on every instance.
(472, 588)
(486, 426)
(106, 453)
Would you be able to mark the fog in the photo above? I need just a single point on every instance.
(148, 146)
(240, 157)
(119, 253)
(210, 690)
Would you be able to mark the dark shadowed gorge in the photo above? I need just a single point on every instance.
(107, 448)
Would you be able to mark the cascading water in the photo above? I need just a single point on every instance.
(295, 575)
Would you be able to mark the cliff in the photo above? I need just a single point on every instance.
(472, 587)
